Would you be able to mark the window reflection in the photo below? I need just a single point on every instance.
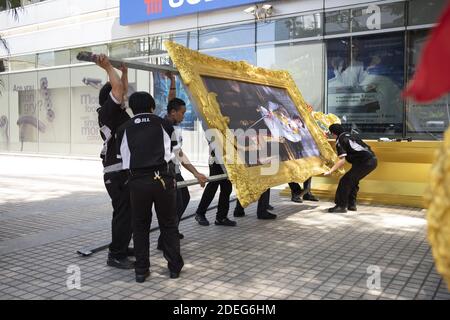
(303, 26)
(425, 121)
(365, 79)
(227, 36)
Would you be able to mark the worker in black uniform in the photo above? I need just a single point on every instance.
(262, 209)
(146, 142)
(111, 115)
(208, 195)
(298, 194)
(363, 162)
(176, 108)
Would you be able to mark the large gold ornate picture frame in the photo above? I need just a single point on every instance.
(197, 70)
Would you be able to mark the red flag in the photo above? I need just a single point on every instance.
(432, 77)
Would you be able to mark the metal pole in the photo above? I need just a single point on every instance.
(90, 57)
(143, 66)
(188, 183)
(87, 251)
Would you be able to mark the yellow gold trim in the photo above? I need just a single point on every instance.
(438, 215)
(401, 177)
(249, 183)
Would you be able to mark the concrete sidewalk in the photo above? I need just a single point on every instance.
(50, 208)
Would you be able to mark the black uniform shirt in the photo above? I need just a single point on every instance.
(353, 148)
(145, 142)
(110, 117)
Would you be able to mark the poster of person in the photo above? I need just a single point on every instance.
(269, 111)
(161, 92)
(365, 77)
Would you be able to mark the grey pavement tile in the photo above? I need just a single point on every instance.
(442, 297)
(258, 261)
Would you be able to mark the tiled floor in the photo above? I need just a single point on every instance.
(48, 212)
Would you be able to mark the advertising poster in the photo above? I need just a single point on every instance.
(28, 121)
(365, 79)
(161, 92)
(84, 115)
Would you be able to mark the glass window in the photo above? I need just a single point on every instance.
(425, 12)
(4, 65)
(27, 2)
(53, 102)
(304, 26)
(187, 39)
(337, 22)
(425, 121)
(365, 76)
(4, 113)
(53, 58)
(391, 15)
(129, 49)
(25, 125)
(305, 64)
(94, 49)
(84, 131)
(247, 54)
(227, 36)
(22, 62)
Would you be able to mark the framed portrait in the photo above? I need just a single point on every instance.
(256, 121)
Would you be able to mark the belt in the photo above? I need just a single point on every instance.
(157, 174)
(162, 170)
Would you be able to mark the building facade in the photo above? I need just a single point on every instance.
(350, 58)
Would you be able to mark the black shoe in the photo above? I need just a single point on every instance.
(124, 263)
(239, 213)
(141, 277)
(266, 216)
(296, 198)
(180, 235)
(225, 222)
(310, 197)
(201, 219)
(269, 207)
(130, 252)
(337, 209)
(174, 275)
(351, 208)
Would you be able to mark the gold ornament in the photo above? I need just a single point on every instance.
(249, 181)
(438, 214)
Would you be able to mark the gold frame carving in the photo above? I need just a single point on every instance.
(249, 184)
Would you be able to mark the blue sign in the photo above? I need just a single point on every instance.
(136, 11)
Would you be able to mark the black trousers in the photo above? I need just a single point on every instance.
(263, 203)
(348, 186)
(296, 189)
(210, 192)
(116, 184)
(144, 192)
(183, 198)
